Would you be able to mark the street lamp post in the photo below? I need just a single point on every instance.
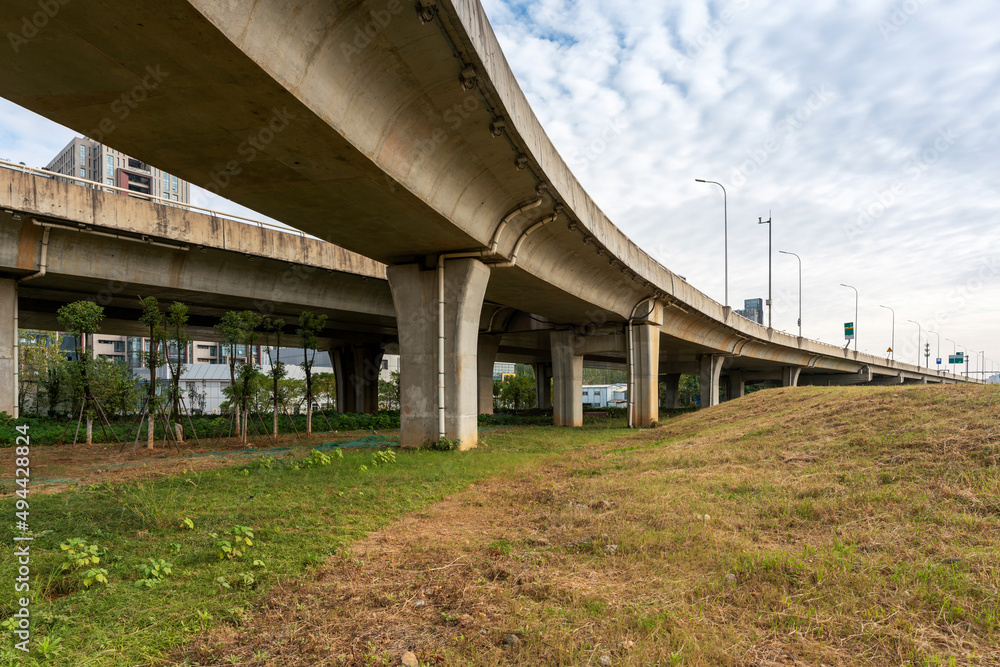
(783, 252)
(762, 221)
(892, 346)
(938, 344)
(856, 299)
(919, 332)
(725, 231)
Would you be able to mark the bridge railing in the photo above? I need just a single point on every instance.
(45, 173)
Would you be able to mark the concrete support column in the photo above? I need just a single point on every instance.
(415, 296)
(711, 370)
(672, 400)
(356, 370)
(543, 385)
(790, 376)
(486, 357)
(644, 360)
(735, 385)
(8, 347)
(567, 380)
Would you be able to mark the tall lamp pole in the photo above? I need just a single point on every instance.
(783, 252)
(938, 344)
(919, 333)
(725, 230)
(856, 299)
(892, 344)
(762, 221)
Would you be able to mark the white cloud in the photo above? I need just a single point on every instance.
(705, 89)
(728, 92)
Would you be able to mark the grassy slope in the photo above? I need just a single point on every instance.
(860, 526)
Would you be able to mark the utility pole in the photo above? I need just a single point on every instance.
(762, 221)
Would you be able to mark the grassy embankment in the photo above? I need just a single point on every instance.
(801, 526)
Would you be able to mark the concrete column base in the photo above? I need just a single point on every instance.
(644, 357)
(543, 385)
(672, 399)
(735, 386)
(486, 357)
(356, 370)
(711, 370)
(567, 380)
(8, 347)
(415, 296)
(790, 376)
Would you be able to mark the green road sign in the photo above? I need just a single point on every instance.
(849, 330)
(956, 359)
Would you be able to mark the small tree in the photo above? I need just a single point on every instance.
(240, 328)
(82, 319)
(518, 392)
(388, 391)
(310, 324)
(152, 319)
(273, 329)
(39, 356)
(324, 387)
(175, 334)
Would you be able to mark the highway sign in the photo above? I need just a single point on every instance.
(848, 330)
(939, 361)
(956, 359)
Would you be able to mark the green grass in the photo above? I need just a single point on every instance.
(300, 516)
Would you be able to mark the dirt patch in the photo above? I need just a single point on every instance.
(57, 468)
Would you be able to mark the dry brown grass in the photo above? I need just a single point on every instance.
(860, 526)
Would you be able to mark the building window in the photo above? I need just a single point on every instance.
(83, 154)
(166, 181)
(175, 184)
(110, 166)
(83, 172)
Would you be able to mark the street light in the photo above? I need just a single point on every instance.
(918, 340)
(938, 344)
(725, 228)
(856, 298)
(892, 347)
(762, 221)
(800, 286)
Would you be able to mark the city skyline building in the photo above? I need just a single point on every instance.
(94, 161)
(753, 310)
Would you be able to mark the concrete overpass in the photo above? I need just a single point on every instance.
(398, 132)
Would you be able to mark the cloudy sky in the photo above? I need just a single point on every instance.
(867, 131)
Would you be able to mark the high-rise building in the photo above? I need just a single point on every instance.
(86, 158)
(753, 310)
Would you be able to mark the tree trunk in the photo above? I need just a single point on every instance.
(150, 426)
(90, 430)
(309, 416)
(179, 430)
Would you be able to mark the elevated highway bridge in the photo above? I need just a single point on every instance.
(397, 131)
